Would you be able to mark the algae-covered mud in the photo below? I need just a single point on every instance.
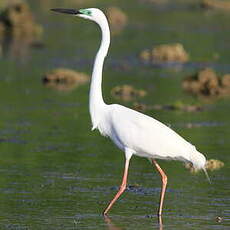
(55, 173)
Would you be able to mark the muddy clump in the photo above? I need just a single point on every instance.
(18, 21)
(117, 19)
(165, 53)
(214, 164)
(127, 93)
(18, 29)
(210, 165)
(178, 106)
(226, 81)
(64, 79)
(216, 4)
(207, 83)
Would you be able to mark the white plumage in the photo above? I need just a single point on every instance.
(142, 134)
(132, 131)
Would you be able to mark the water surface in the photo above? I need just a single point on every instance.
(57, 174)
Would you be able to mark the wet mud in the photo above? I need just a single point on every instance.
(211, 165)
(64, 79)
(178, 106)
(207, 83)
(216, 4)
(18, 29)
(117, 19)
(127, 93)
(165, 53)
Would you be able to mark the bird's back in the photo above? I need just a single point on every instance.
(144, 135)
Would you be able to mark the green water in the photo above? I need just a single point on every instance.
(57, 174)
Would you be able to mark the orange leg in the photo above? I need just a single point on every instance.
(122, 188)
(164, 184)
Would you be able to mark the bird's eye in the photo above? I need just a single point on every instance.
(86, 12)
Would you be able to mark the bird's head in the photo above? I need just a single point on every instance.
(198, 161)
(92, 14)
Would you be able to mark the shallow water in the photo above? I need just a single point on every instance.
(57, 174)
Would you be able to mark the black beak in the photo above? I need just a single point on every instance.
(66, 11)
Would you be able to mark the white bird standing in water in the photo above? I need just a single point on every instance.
(132, 132)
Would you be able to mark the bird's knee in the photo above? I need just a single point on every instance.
(164, 179)
(123, 187)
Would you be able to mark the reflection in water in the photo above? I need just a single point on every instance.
(15, 48)
(160, 222)
(111, 225)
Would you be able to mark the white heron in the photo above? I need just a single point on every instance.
(132, 132)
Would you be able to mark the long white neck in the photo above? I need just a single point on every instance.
(96, 103)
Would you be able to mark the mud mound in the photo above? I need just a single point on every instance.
(207, 83)
(211, 165)
(216, 4)
(64, 79)
(165, 53)
(226, 81)
(17, 20)
(127, 93)
(117, 19)
(18, 30)
(178, 106)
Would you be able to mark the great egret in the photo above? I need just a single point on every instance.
(132, 131)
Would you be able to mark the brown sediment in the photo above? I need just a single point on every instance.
(207, 83)
(64, 79)
(211, 165)
(18, 19)
(165, 53)
(18, 28)
(226, 80)
(216, 4)
(178, 106)
(117, 19)
(127, 92)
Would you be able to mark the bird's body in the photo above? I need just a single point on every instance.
(132, 131)
(125, 126)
